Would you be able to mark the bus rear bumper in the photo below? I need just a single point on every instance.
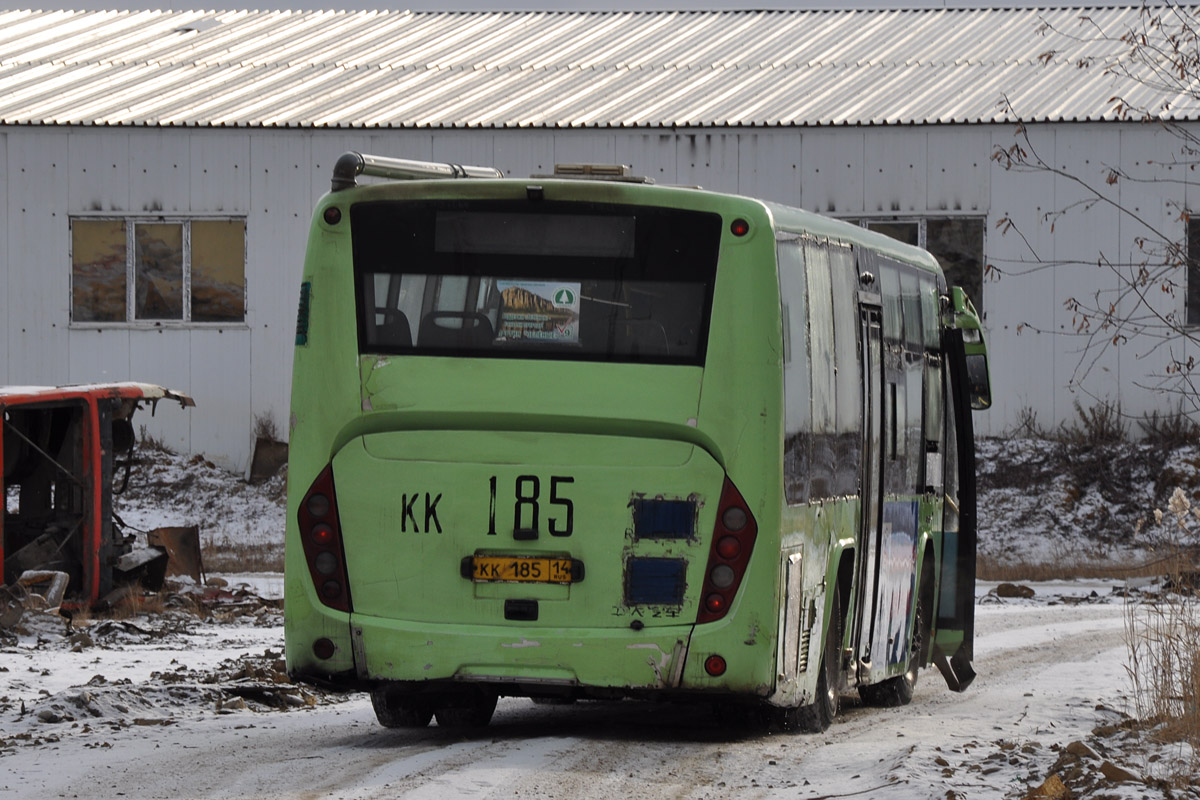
(556, 659)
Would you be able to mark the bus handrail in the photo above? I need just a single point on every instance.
(352, 164)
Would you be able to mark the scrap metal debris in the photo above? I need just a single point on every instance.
(184, 614)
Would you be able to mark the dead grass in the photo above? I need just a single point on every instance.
(149, 442)
(135, 603)
(1163, 638)
(244, 558)
(991, 569)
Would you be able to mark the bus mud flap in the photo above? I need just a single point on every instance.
(678, 656)
(359, 650)
(956, 669)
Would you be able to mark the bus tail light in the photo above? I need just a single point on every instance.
(714, 665)
(321, 537)
(732, 541)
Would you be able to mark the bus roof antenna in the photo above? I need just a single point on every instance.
(352, 164)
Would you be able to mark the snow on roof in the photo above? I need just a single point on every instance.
(130, 389)
(405, 69)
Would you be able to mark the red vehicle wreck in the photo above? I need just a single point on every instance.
(62, 449)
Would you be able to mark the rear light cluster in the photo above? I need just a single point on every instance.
(322, 539)
(732, 541)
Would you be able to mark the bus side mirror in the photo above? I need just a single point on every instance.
(978, 384)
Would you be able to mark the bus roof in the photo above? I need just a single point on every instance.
(796, 220)
(784, 218)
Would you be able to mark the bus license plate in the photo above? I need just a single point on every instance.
(523, 569)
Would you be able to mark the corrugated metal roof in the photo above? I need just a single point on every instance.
(401, 69)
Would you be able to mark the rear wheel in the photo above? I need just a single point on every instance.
(898, 691)
(395, 709)
(819, 715)
(471, 710)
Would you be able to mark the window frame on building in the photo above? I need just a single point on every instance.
(975, 287)
(1191, 293)
(129, 312)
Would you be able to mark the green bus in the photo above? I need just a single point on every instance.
(581, 436)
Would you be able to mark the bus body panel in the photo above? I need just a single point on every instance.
(576, 497)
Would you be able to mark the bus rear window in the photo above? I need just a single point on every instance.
(558, 281)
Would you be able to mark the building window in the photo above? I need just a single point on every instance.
(1193, 271)
(158, 270)
(957, 244)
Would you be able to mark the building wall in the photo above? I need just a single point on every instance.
(238, 373)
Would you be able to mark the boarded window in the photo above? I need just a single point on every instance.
(218, 270)
(158, 289)
(98, 268)
(159, 270)
(1193, 271)
(907, 232)
(957, 244)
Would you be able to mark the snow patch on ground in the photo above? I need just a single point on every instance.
(239, 522)
(1044, 501)
(191, 700)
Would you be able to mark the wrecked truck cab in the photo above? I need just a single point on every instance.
(62, 448)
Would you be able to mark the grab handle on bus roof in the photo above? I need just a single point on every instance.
(352, 164)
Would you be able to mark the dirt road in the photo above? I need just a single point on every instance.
(1043, 671)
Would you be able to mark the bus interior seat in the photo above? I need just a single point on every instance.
(395, 330)
(455, 329)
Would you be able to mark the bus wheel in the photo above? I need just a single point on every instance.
(396, 710)
(473, 710)
(820, 714)
(898, 691)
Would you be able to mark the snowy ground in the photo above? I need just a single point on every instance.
(158, 706)
(190, 700)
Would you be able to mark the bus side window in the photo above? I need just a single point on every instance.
(847, 441)
(797, 396)
(914, 363)
(930, 320)
(894, 396)
(824, 381)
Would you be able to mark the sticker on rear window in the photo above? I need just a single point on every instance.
(542, 311)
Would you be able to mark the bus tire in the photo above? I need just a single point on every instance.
(898, 691)
(819, 715)
(472, 710)
(396, 710)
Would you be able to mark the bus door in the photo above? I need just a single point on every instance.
(871, 481)
(968, 388)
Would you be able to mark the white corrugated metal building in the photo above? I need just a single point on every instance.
(201, 132)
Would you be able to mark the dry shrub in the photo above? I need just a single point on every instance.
(1163, 636)
(134, 602)
(990, 568)
(1101, 423)
(243, 557)
(149, 442)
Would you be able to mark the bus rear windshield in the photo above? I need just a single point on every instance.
(572, 281)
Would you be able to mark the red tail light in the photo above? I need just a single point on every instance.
(732, 541)
(321, 536)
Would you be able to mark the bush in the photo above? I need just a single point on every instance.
(1163, 635)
